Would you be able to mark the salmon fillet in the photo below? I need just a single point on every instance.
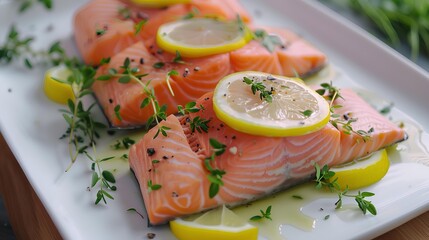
(101, 31)
(255, 166)
(197, 76)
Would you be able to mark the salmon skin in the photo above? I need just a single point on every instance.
(255, 166)
(197, 76)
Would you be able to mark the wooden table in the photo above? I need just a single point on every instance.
(30, 220)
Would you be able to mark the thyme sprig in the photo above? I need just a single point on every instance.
(18, 47)
(331, 93)
(264, 215)
(190, 107)
(126, 74)
(29, 3)
(82, 131)
(215, 175)
(325, 178)
(200, 124)
(269, 41)
(259, 86)
(124, 143)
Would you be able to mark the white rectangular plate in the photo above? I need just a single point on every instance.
(32, 124)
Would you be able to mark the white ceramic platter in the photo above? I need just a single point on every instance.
(32, 125)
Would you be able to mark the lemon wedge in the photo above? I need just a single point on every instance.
(200, 37)
(362, 172)
(57, 91)
(294, 109)
(219, 223)
(159, 3)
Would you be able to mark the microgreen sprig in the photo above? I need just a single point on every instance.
(325, 178)
(215, 176)
(264, 215)
(259, 86)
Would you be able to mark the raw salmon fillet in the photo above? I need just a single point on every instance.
(255, 166)
(197, 76)
(101, 31)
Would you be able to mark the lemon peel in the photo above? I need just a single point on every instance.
(199, 37)
(57, 91)
(219, 223)
(295, 109)
(362, 172)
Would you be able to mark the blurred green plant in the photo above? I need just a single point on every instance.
(398, 20)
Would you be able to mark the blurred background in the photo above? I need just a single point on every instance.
(402, 24)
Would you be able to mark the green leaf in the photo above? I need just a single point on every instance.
(138, 26)
(117, 112)
(104, 77)
(213, 190)
(124, 79)
(255, 218)
(159, 65)
(108, 176)
(28, 63)
(95, 179)
(145, 102)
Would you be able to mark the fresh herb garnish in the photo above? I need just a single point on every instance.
(158, 65)
(124, 143)
(163, 130)
(194, 12)
(199, 124)
(124, 13)
(135, 211)
(29, 3)
(152, 187)
(167, 79)
(264, 215)
(259, 86)
(178, 58)
(117, 110)
(307, 113)
(215, 176)
(139, 25)
(190, 107)
(331, 93)
(128, 74)
(325, 179)
(267, 40)
(100, 32)
(18, 47)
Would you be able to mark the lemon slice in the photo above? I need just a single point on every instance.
(159, 3)
(295, 108)
(57, 91)
(362, 172)
(220, 223)
(200, 37)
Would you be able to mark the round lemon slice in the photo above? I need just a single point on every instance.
(362, 172)
(220, 223)
(200, 37)
(290, 109)
(57, 91)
